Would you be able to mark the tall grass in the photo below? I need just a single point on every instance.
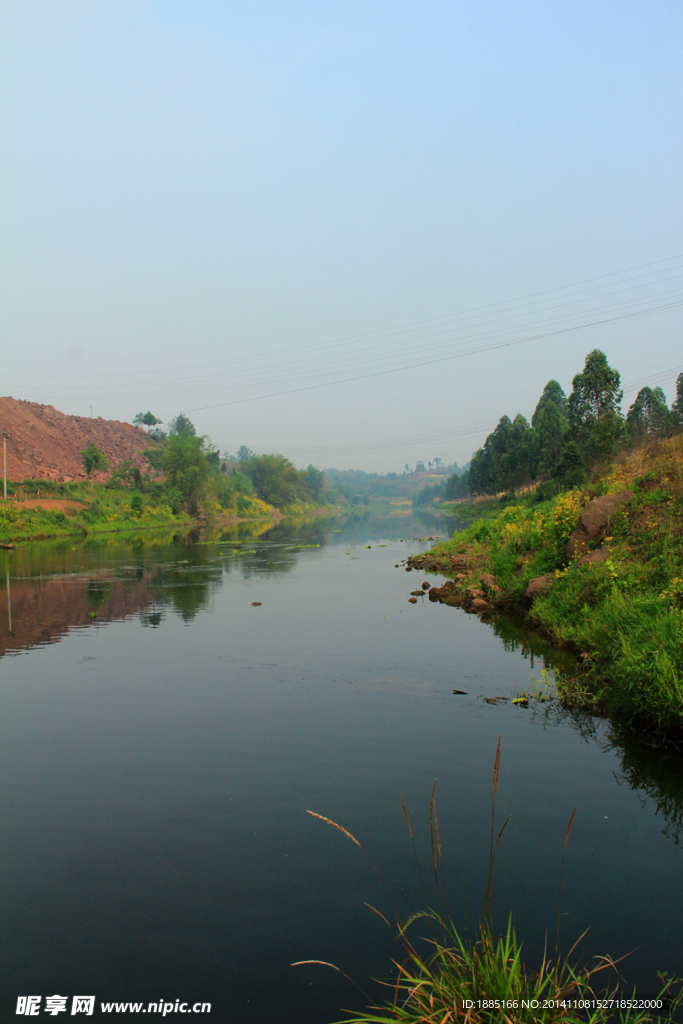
(486, 980)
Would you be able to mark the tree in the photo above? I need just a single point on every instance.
(554, 395)
(649, 414)
(594, 413)
(276, 480)
(551, 433)
(181, 426)
(456, 486)
(677, 406)
(94, 460)
(147, 419)
(315, 481)
(186, 468)
(244, 454)
(570, 468)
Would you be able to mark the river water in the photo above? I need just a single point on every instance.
(163, 738)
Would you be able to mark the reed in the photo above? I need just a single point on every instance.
(486, 981)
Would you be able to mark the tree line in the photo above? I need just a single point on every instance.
(569, 433)
(195, 473)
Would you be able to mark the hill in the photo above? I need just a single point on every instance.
(45, 443)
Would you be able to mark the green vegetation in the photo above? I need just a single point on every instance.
(486, 981)
(83, 511)
(567, 435)
(622, 609)
(186, 481)
(94, 461)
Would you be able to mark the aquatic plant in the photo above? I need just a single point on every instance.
(486, 980)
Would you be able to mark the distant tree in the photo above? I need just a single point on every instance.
(147, 419)
(277, 481)
(438, 462)
(244, 454)
(315, 480)
(94, 461)
(677, 405)
(213, 456)
(181, 425)
(456, 486)
(594, 413)
(420, 466)
(649, 414)
(186, 468)
(554, 394)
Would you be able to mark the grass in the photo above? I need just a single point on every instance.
(103, 509)
(624, 616)
(486, 980)
(100, 510)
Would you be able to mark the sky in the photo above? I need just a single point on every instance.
(353, 233)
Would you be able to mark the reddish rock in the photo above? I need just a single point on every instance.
(479, 605)
(539, 585)
(601, 555)
(594, 521)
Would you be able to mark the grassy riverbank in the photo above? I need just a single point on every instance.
(77, 510)
(621, 612)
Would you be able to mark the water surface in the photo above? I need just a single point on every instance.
(162, 739)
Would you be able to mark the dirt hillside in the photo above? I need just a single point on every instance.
(46, 443)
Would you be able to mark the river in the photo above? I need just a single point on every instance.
(163, 737)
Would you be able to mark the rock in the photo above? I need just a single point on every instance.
(436, 593)
(412, 600)
(489, 585)
(425, 585)
(459, 561)
(474, 594)
(480, 605)
(539, 585)
(594, 521)
(601, 555)
(454, 600)
(417, 593)
(256, 604)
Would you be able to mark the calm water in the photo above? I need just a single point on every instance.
(162, 739)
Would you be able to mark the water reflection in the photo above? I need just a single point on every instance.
(54, 588)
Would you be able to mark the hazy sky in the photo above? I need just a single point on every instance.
(354, 233)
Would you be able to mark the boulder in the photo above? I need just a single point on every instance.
(601, 555)
(479, 605)
(594, 521)
(539, 585)
(489, 585)
(473, 594)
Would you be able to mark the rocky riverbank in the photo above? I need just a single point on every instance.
(599, 573)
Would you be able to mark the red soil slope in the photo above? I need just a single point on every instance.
(46, 443)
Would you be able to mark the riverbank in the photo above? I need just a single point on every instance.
(598, 570)
(104, 511)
